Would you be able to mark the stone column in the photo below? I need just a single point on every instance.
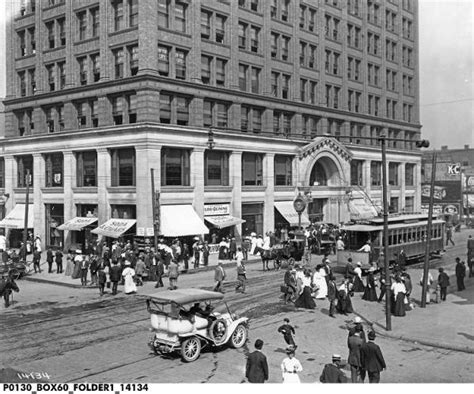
(10, 181)
(103, 181)
(366, 180)
(197, 179)
(235, 177)
(269, 179)
(69, 177)
(39, 208)
(417, 176)
(401, 182)
(147, 156)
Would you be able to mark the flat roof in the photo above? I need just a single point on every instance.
(183, 296)
(368, 227)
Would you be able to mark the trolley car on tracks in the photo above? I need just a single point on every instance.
(407, 233)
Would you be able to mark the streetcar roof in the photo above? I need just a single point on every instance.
(183, 296)
(412, 218)
(369, 228)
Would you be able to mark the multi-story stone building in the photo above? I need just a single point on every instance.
(234, 104)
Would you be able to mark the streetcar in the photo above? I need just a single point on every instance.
(405, 232)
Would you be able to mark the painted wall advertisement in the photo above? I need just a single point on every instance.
(447, 195)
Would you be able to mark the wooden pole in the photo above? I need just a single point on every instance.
(428, 233)
(388, 312)
(154, 208)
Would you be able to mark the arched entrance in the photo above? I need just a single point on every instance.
(324, 176)
(325, 173)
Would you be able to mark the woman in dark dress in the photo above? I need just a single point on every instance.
(344, 303)
(398, 297)
(305, 300)
(357, 280)
(370, 294)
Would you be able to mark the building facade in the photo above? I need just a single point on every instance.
(454, 181)
(234, 104)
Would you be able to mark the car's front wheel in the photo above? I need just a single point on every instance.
(191, 349)
(239, 336)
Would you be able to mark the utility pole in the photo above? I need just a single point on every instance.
(27, 205)
(428, 232)
(156, 214)
(388, 315)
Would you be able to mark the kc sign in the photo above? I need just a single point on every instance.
(454, 169)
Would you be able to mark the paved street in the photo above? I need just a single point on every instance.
(74, 335)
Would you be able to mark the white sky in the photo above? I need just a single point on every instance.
(446, 70)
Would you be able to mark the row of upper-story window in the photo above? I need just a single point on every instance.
(214, 71)
(175, 109)
(394, 174)
(175, 168)
(213, 27)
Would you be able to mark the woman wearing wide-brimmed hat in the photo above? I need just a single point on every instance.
(290, 366)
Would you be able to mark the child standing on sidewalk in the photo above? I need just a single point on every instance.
(288, 331)
(102, 278)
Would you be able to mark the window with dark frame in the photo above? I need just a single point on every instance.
(216, 168)
(123, 167)
(283, 166)
(252, 169)
(175, 167)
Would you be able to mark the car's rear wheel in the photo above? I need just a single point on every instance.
(239, 336)
(191, 349)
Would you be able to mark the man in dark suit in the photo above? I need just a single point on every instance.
(460, 273)
(256, 370)
(332, 372)
(115, 276)
(371, 359)
(332, 296)
(354, 344)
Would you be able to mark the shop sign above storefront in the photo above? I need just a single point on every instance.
(216, 209)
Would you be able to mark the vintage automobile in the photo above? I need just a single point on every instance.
(181, 323)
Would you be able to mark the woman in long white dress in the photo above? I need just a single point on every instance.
(290, 367)
(128, 274)
(319, 280)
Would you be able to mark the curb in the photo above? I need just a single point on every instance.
(421, 341)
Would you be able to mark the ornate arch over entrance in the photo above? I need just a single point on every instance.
(324, 162)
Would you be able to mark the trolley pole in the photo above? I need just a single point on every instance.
(388, 316)
(154, 208)
(27, 205)
(428, 232)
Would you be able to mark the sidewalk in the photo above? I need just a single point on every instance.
(448, 325)
(67, 281)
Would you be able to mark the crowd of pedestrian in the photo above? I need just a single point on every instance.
(364, 359)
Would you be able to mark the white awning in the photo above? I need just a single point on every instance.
(181, 220)
(77, 224)
(114, 228)
(16, 217)
(221, 221)
(288, 212)
(360, 208)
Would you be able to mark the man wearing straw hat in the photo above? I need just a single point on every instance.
(332, 372)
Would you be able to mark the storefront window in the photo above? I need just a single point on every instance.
(54, 169)
(393, 205)
(123, 167)
(216, 168)
(283, 170)
(393, 174)
(25, 164)
(252, 171)
(87, 210)
(409, 174)
(253, 216)
(356, 172)
(174, 167)
(54, 218)
(123, 211)
(409, 204)
(376, 173)
(86, 169)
